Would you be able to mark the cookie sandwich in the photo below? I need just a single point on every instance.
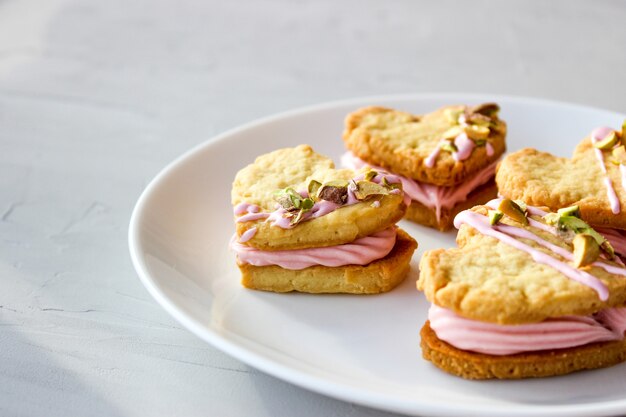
(527, 293)
(594, 179)
(446, 160)
(302, 225)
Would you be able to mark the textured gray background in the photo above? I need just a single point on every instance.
(97, 96)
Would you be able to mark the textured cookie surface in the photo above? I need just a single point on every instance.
(295, 167)
(427, 216)
(473, 365)
(487, 280)
(379, 276)
(542, 179)
(400, 142)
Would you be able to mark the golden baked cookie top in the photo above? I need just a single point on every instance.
(444, 147)
(294, 198)
(594, 178)
(523, 267)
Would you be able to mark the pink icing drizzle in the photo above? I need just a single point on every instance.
(554, 333)
(619, 240)
(253, 212)
(430, 159)
(481, 223)
(490, 150)
(319, 209)
(464, 146)
(430, 195)
(247, 235)
(360, 252)
(597, 135)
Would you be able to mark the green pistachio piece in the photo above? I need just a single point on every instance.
(307, 204)
(288, 198)
(569, 224)
(552, 219)
(572, 223)
(569, 211)
(619, 154)
(370, 175)
(448, 147)
(601, 241)
(297, 218)
(521, 205)
(452, 133)
(486, 109)
(480, 142)
(624, 130)
(313, 188)
(608, 142)
(495, 216)
(453, 115)
(513, 210)
(476, 132)
(586, 250)
(334, 191)
(478, 119)
(365, 189)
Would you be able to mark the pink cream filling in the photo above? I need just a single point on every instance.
(360, 252)
(432, 196)
(554, 333)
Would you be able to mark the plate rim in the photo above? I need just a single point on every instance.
(299, 377)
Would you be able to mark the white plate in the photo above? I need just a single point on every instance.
(363, 349)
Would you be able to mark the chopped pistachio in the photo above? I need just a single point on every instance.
(586, 250)
(572, 223)
(495, 216)
(313, 188)
(365, 189)
(307, 204)
(297, 218)
(521, 205)
(478, 119)
(569, 211)
(370, 175)
(607, 249)
(453, 115)
(608, 142)
(476, 132)
(569, 224)
(486, 109)
(619, 154)
(480, 142)
(513, 210)
(452, 133)
(552, 219)
(288, 198)
(448, 147)
(334, 191)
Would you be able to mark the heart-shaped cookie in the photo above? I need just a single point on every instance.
(255, 187)
(415, 146)
(494, 279)
(589, 179)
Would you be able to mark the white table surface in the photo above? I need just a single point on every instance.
(97, 96)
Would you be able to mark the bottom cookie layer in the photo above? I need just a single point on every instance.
(471, 365)
(427, 216)
(379, 276)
